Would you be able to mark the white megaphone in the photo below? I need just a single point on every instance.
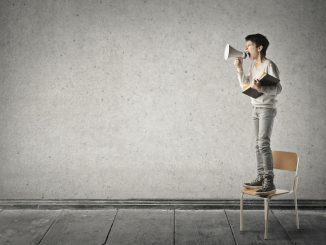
(232, 52)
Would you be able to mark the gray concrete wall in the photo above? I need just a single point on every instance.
(133, 99)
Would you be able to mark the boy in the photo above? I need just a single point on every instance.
(263, 109)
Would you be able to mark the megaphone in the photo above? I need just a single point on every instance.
(230, 52)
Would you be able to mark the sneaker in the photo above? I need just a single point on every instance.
(255, 184)
(268, 186)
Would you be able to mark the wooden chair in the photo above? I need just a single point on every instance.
(282, 160)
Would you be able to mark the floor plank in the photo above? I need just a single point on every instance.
(312, 226)
(157, 226)
(253, 221)
(25, 226)
(142, 226)
(203, 227)
(82, 227)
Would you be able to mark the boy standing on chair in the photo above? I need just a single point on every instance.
(263, 109)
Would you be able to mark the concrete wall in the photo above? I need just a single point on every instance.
(133, 99)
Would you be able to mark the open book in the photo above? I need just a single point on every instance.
(265, 80)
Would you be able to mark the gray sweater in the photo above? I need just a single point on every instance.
(270, 92)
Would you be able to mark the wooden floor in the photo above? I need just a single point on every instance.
(157, 226)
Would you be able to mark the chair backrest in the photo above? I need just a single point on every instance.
(285, 160)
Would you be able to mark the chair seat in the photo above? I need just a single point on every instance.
(252, 192)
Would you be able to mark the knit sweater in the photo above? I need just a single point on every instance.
(269, 92)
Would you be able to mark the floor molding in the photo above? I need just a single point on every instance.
(155, 203)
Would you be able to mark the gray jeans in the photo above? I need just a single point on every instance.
(263, 123)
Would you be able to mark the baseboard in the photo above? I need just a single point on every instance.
(155, 203)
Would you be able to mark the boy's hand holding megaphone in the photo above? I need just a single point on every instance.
(238, 64)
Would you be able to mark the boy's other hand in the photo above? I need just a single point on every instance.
(256, 85)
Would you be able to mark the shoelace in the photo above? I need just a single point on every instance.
(255, 180)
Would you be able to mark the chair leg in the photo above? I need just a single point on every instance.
(266, 211)
(296, 211)
(241, 212)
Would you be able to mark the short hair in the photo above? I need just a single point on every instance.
(259, 40)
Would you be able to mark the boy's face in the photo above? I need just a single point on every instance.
(252, 49)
